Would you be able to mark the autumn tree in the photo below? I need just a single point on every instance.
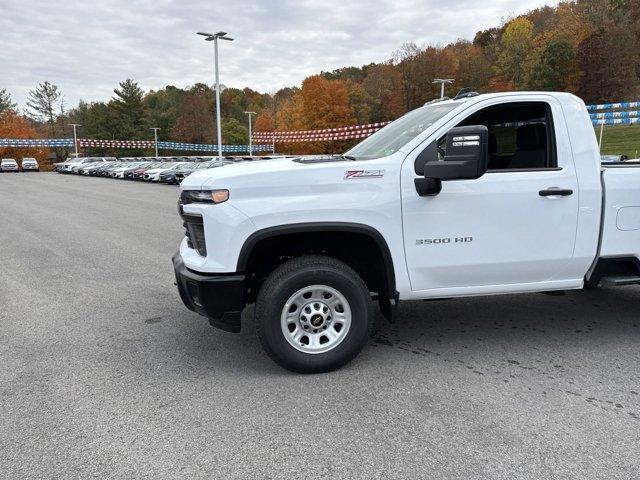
(194, 123)
(515, 46)
(383, 85)
(5, 101)
(430, 63)
(404, 60)
(13, 125)
(359, 101)
(555, 67)
(473, 69)
(608, 73)
(325, 103)
(264, 122)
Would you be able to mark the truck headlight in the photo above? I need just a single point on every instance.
(204, 196)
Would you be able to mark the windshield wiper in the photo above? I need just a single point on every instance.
(348, 157)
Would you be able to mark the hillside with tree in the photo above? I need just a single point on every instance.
(587, 47)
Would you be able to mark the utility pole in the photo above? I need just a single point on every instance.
(214, 37)
(155, 137)
(75, 136)
(250, 143)
(443, 82)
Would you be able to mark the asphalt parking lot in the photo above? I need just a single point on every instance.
(105, 374)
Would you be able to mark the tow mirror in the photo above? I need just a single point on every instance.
(466, 158)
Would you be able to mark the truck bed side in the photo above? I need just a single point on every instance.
(618, 260)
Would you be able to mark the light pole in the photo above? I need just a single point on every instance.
(155, 137)
(75, 136)
(275, 124)
(601, 132)
(250, 144)
(214, 37)
(443, 82)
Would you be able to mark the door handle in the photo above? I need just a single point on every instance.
(556, 192)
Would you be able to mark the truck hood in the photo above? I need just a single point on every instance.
(233, 173)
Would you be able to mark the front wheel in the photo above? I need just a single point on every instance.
(313, 314)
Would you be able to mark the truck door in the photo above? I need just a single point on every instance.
(510, 229)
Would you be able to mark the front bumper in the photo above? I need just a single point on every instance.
(219, 297)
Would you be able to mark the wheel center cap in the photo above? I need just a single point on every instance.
(317, 320)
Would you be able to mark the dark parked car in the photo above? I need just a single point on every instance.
(181, 174)
(128, 174)
(171, 176)
(138, 173)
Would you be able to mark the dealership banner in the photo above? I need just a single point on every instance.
(87, 142)
(199, 147)
(99, 143)
(36, 142)
(614, 106)
(615, 113)
(338, 133)
(598, 116)
(617, 121)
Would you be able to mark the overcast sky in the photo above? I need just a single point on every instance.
(87, 47)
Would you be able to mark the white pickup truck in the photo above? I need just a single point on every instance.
(480, 195)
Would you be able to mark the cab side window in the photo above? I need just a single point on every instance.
(520, 138)
(520, 135)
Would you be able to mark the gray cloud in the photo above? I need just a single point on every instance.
(87, 47)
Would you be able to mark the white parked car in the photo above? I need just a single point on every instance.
(8, 165)
(480, 195)
(30, 165)
(75, 164)
(153, 175)
(119, 172)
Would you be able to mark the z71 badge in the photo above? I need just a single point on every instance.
(353, 174)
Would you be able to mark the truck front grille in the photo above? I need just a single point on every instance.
(195, 234)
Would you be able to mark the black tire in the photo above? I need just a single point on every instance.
(297, 274)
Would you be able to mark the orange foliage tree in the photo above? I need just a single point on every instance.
(319, 104)
(15, 126)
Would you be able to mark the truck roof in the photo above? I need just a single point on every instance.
(483, 96)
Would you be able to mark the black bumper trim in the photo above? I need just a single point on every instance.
(219, 297)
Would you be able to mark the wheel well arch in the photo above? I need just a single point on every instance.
(360, 246)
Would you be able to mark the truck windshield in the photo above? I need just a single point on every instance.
(397, 134)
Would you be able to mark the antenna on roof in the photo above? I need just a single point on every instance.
(465, 93)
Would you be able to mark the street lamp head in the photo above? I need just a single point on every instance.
(213, 36)
(250, 113)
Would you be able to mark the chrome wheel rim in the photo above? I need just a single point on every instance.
(316, 319)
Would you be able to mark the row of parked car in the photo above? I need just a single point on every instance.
(169, 170)
(10, 165)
